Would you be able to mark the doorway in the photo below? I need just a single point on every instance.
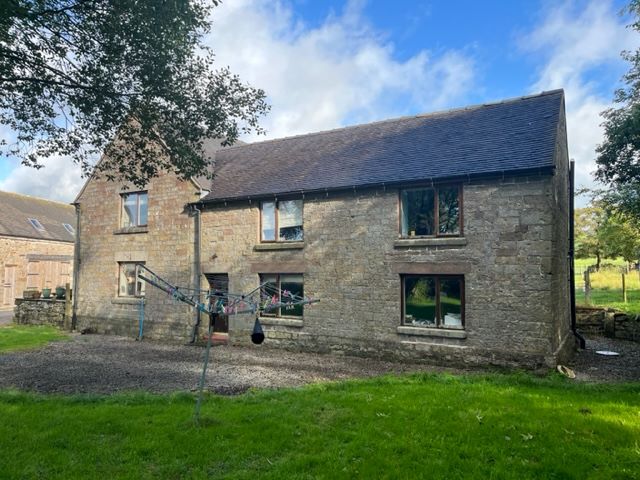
(219, 282)
(9, 286)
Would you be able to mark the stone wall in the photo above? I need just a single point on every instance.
(166, 246)
(15, 254)
(39, 312)
(352, 259)
(609, 322)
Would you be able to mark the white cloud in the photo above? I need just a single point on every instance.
(579, 45)
(340, 72)
(59, 179)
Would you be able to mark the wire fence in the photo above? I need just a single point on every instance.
(609, 285)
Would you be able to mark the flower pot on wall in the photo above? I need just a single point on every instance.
(60, 293)
(46, 293)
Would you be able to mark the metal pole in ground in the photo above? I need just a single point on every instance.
(212, 321)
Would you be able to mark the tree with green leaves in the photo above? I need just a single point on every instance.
(588, 222)
(619, 238)
(618, 157)
(77, 74)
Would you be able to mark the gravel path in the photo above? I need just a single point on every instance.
(107, 364)
(591, 367)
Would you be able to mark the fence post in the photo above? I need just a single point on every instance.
(624, 288)
(67, 307)
(587, 287)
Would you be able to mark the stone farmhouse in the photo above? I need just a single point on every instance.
(441, 237)
(36, 245)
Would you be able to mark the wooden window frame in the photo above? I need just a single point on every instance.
(137, 194)
(277, 222)
(137, 295)
(436, 213)
(279, 312)
(437, 279)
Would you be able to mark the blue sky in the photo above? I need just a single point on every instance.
(326, 64)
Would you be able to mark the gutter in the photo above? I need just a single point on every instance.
(196, 267)
(464, 178)
(76, 269)
(572, 272)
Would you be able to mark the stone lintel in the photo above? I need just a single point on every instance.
(277, 267)
(431, 268)
(282, 322)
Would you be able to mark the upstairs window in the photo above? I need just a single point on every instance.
(134, 209)
(129, 285)
(433, 301)
(36, 224)
(429, 212)
(281, 221)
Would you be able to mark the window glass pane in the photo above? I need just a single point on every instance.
(143, 208)
(419, 301)
(269, 292)
(451, 302)
(292, 284)
(290, 220)
(448, 211)
(129, 210)
(417, 212)
(268, 221)
(127, 281)
(140, 284)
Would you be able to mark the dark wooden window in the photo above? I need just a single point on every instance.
(433, 301)
(134, 209)
(284, 282)
(281, 221)
(426, 212)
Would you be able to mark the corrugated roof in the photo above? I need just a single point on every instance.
(512, 135)
(16, 210)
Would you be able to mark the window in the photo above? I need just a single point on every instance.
(433, 301)
(283, 283)
(36, 224)
(134, 209)
(281, 221)
(129, 285)
(69, 228)
(430, 212)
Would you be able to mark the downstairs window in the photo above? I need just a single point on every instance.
(433, 301)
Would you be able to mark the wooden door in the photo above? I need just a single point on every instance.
(9, 285)
(220, 282)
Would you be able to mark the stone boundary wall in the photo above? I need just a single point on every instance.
(608, 322)
(39, 312)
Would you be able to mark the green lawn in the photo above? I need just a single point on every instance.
(24, 337)
(420, 426)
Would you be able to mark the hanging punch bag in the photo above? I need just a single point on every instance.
(257, 336)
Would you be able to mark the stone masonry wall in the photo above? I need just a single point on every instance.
(16, 251)
(39, 312)
(166, 246)
(609, 322)
(352, 260)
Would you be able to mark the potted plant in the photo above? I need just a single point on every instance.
(46, 293)
(60, 291)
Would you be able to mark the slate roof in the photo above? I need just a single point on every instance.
(515, 135)
(16, 209)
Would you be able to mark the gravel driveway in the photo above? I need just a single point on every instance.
(107, 364)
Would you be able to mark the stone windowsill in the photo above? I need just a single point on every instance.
(430, 242)
(129, 230)
(431, 332)
(278, 246)
(282, 322)
(126, 300)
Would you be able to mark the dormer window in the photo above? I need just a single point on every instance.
(69, 228)
(134, 209)
(36, 224)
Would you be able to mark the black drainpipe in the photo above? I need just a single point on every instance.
(572, 272)
(76, 270)
(196, 266)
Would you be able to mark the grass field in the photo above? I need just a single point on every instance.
(421, 426)
(24, 337)
(606, 286)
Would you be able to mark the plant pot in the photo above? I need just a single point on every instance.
(46, 293)
(60, 292)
